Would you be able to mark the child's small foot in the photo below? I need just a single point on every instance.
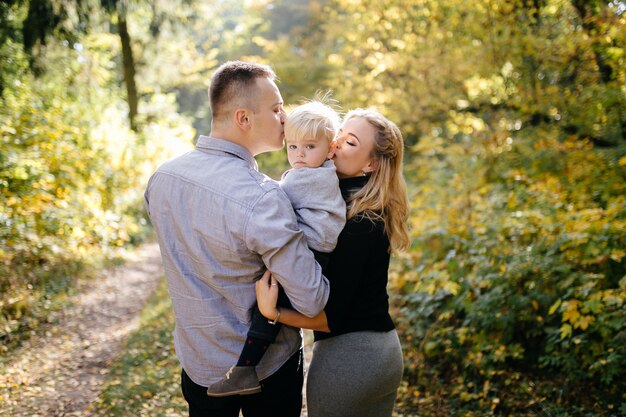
(239, 380)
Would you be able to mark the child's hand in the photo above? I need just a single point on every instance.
(267, 295)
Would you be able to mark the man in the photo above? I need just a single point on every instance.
(220, 224)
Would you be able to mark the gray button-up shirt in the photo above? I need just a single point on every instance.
(220, 224)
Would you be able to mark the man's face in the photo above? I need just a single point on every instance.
(269, 117)
(307, 152)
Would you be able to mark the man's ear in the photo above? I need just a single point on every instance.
(242, 119)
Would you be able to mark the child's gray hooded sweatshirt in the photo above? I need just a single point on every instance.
(316, 198)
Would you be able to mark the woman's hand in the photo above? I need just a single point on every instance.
(266, 298)
(267, 295)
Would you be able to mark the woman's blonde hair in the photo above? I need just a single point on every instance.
(384, 196)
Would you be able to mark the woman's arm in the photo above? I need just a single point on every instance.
(267, 296)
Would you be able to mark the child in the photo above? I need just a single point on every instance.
(312, 187)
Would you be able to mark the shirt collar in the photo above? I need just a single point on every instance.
(223, 145)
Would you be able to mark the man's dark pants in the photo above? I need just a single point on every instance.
(281, 395)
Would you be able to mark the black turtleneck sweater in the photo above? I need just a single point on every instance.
(357, 272)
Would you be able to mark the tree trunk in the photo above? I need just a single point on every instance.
(588, 15)
(128, 64)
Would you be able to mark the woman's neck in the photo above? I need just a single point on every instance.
(350, 185)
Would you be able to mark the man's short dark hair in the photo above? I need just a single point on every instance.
(232, 85)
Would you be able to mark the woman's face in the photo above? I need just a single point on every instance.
(353, 148)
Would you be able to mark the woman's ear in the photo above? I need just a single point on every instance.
(242, 119)
(371, 166)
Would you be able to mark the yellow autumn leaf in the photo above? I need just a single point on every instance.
(554, 306)
(571, 313)
(617, 254)
(584, 322)
(452, 286)
(566, 331)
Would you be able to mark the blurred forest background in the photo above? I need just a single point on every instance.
(510, 300)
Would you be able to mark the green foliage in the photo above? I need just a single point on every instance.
(518, 266)
(512, 295)
(516, 170)
(417, 60)
(71, 173)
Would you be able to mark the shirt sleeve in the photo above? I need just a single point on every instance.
(272, 232)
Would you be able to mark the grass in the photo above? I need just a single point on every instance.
(145, 379)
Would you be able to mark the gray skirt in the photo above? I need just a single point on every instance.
(354, 374)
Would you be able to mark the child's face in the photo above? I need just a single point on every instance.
(307, 152)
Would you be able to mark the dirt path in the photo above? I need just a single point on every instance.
(61, 373)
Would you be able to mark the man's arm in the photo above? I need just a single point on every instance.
(273, 233)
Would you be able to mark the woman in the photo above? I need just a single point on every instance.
(357, 360)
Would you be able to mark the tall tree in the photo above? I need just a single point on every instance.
(118, 9)
(65, 19)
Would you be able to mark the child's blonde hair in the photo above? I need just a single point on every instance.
(313, 119)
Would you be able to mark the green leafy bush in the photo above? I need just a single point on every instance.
(518, 266)
(72, 175)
